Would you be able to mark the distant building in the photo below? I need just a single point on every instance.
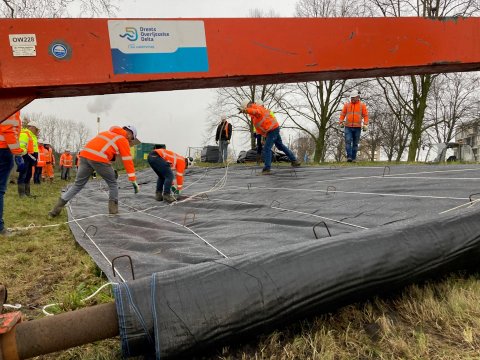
(468, 135)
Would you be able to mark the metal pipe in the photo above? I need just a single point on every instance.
(60, 332)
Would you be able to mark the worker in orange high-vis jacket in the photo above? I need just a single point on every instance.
(351, 119)
(9, 146)
(162, 161)
(97, 156)
(41, 162)
(48, 173)
(267, 126)
(66, 163)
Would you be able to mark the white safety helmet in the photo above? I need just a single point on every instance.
(354, 93)
(133, 129)
(259, 102)
(223, 117)
(67, 150)
(245, 103)
(41, 141)
(34, 124)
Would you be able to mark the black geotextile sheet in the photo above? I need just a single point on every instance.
(243, 255)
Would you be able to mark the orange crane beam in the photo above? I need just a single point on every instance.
(41, 58)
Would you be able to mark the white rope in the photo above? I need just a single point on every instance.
(44, 308)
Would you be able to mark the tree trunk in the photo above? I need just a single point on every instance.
(419, 107)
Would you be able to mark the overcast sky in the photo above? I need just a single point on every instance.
(176, 118)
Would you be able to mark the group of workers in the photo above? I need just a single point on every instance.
(20, 145)
(353, 119)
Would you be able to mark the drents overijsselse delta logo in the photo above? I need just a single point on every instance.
(130, 33)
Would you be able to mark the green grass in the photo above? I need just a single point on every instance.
(437, 320)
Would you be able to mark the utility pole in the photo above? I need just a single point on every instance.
(98, 125)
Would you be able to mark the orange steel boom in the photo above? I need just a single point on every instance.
(41, 58)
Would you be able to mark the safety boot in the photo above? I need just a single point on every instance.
(113, 207)
(27, 190)
(158, 196)
(21, 190)
(57, 208)
(296, 163)
(169, 198)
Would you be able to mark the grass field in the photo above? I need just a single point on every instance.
(44, 265)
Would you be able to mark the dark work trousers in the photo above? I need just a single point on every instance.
(25, 175)
(163, 170)
(37, 176)
(6, 165)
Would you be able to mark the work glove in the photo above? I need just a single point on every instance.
(20, 163)
(228, 141)
(342, 125)
(175, 191)
(136, 188)
(365, 128)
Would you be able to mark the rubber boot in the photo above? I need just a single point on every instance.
(21, 190)
(158, 196)
(296, 163)
(113, 207)
(57, 208)
(27, 189)
(169, 198)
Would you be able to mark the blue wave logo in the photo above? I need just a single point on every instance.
(130, 33)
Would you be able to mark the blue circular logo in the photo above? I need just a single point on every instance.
(59, 51)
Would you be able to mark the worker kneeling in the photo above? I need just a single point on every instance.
(162, 161)
(96, 156)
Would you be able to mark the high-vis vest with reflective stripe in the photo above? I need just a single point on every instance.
(9, 134)
(354, 113)
(263, 119)
(28, 141)
(106, 145)
(66, 160)
(41, 160)
(176, 161)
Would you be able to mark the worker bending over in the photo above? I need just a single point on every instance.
(267, 125)
(96, 156)
(162, 161)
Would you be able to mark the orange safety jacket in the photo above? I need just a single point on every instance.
(176, 161)
(49, 157)
(263, 119)
(9, 134)
(106, 145)
(66, 160)
(354, 114)
(42, 157)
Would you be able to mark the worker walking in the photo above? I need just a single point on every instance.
(222, 137)
(9, 146)
(29, 144)
(351, 119)
(66, 163)
(267, 125)
(48, 170)
(162, 161)
(41, 162)
(97, 156)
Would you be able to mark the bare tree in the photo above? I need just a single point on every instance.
(422, 84)
(311, 108)
(62, 134)
(454, 102)
(56, 8)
